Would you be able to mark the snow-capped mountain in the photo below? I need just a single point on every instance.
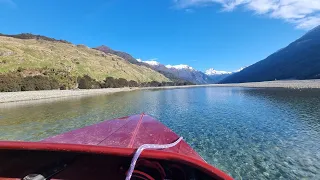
(188, 73)
(212, 71)
(217, 76)
(181, 71)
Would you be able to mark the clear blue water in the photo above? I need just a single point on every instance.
(248, 133)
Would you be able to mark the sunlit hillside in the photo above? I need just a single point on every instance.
(76, 59)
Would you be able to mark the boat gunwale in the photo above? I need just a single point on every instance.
(127, 152)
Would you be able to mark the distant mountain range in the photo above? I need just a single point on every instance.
(188, 73)
(175, 73)
(299, 60)
(184, 72)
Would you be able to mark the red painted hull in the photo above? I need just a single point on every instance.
(127, 132)
(121, 137)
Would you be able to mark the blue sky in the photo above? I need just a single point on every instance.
(219, 34)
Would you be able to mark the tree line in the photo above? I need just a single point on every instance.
(86, 82)
(12, 83)
(15, 82)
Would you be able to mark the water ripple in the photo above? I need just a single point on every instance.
(248, 133)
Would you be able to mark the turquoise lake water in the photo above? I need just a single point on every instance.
(248, 133)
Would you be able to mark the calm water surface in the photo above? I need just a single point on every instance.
(248, 133)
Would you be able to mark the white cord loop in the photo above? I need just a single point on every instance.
(148, 146)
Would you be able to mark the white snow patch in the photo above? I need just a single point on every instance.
(240, 69)
(212, 71)
(150, 62)
(180, 66)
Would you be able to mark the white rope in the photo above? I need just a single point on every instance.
(148, 146)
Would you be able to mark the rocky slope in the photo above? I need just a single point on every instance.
(121, 54)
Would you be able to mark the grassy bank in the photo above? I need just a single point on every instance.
(76, 60)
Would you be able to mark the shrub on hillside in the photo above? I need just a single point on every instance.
(64, 78)
(54, 84)
(86, 82)
(10, 83)
(63, 87)
(143, 84)
(167, 84)
(182, 83)
(28, 84)
(109, 82)
(122, 82)
(154, 84)
(20, 69)
(32, 83)
(133, 83)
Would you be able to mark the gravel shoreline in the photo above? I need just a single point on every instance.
(292, 84)
(7, 97)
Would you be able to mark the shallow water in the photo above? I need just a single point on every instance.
(248, 133)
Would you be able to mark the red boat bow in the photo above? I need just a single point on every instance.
(121, 137)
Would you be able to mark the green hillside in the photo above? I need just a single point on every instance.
(30, 55)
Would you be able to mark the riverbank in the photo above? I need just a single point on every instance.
(292, 84)
(6, 97)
